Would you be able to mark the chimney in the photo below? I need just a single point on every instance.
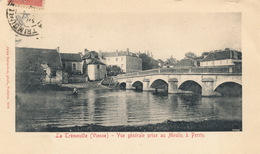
(127, 51)
(116, 52)
(100, 54)
(58, 49)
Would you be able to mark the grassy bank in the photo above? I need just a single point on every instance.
(208, 125)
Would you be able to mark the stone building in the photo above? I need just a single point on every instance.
(72, 63)
(93, 66)
(127, 61)
(222, 58)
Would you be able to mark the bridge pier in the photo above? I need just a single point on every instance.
(173, 86)
(146, 86)
(208, 88)
(128, 85)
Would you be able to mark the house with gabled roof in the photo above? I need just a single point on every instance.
(72, 62)
(38, 65)
(225, 57)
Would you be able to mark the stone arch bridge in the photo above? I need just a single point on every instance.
(204, 80)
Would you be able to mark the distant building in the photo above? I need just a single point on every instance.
(96, 70)
(72, 63)
(222, 58)
(31, 63)
(93, 66)
(127, 61)
(187, 63)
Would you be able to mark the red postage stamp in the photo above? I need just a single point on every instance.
(29, 3)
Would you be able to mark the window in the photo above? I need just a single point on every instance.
(122, 59)
(74, 66)
(98, 66)
(116, 59)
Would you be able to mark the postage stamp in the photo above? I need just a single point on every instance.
(23, 22)
(26, 3)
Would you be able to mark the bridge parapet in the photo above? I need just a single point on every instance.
(187, 70)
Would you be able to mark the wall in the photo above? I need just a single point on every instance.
(54, 79)
(95, 73)
(217, 63)
(77, 79)
(119, 61)
(49, 78)
(69, 66)
(133, 64)
(127, 63)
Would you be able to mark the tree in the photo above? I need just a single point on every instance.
(114, 70)
(148, 62)
(204, 54)
(170, 61)
(160, 62)
(190, 55)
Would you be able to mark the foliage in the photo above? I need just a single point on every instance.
(114, 70)
(190, 55)
(170, 61)
(203, 55)
(148, 62)
(29, 80)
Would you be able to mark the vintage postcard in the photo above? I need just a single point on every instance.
(129, 73)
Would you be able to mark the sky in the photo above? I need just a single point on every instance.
(163, 34)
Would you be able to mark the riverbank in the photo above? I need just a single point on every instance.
(207, 125)
(87, 85)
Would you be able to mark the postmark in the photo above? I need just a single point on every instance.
(27, 3)
(23, 22)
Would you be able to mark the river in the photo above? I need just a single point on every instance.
(119, 107)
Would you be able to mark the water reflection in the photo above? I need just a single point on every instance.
(117, 107)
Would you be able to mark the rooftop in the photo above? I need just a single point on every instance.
(118, 53)
(70, 57)
(186, 62)
(222, 55)
(90, 55)
(32, 58)
(96, 61)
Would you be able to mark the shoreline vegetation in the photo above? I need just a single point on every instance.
(181, 126)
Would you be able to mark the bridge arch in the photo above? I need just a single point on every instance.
(138, 85)
(159, 84)
(190, 85)
(229, 88)
(237, 80)
(122, 85)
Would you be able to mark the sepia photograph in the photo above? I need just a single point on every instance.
(139, 76)
(128, 72)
